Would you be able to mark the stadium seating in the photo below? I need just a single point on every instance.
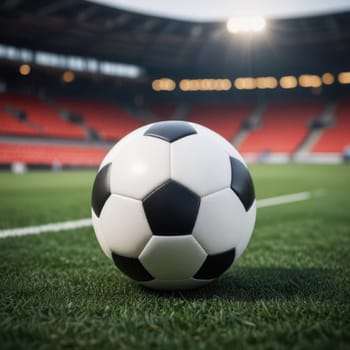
(51, 154)
(110, 121)
(337, 137)
(283, 127)
(9, 125)
(225, 119)
(42, 118)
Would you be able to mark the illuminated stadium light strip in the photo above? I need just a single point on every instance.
(328, 78)
(68, 76)
(24, 69)
(205, 85)
(87, 222)
(288, 82)
(245, 83)
(251, 83)
(73, 63)
(310, 80)
(266, 83)
(344, 78)
(163, 84)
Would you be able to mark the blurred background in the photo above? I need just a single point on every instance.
(272, 78)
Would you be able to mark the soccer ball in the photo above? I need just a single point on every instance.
(173, 205)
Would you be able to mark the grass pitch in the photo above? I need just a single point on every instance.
(290, 289)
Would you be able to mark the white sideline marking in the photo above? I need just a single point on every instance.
(69, 225)
(288, 198)
(52, 227)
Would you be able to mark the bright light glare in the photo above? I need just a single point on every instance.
(310, 80)
(344, 78)
(68, 76)
(246, 24)
(288, 82)
(163, 84)
(24, 69)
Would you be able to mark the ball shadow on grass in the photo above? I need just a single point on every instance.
(264, 283)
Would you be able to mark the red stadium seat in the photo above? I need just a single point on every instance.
(9, 125)
(43, 118)
(110, 121)
(336, 138)
(284, 127)
(225, 119)
(51, 154)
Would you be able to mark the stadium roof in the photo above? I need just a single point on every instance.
(199, 10)
(172, 47)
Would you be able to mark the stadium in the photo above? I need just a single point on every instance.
(77, 76)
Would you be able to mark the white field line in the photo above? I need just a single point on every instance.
(52, 227)
(288, 198)
(70, 225)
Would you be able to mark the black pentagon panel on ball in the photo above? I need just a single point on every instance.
(101, 189)
(170, 131)
(242, 183)
(215, 265)
(132, 267)
(171, 209)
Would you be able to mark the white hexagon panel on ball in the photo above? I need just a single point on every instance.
(118, 146)
(140, 165)
(124, 225)
(200, 164)
(172, 257)
(216, 229)
(218, 139)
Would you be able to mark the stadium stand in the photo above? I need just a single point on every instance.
(116, 69)
(110, 121)
(225, 119)
(283, 127)
(163, 110)
(10, 125)
(43, 119)
(51, 154)
(336, 138)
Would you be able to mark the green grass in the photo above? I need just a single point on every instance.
(290, 289)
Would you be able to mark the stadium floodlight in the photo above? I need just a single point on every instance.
(24, 69)
(288, 82)
(163, 84)
(246, 24)
(328, 78)
(68, 76)
(344, 78)
(310, 80)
